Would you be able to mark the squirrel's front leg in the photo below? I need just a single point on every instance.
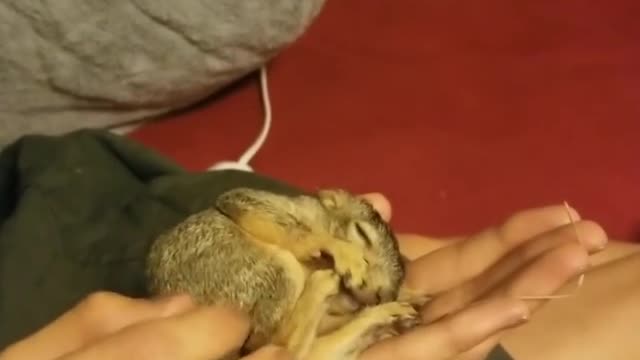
(348, 258)
(372, 324)
(257, 216)
(300, 327)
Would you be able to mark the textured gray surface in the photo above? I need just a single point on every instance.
(66, 64)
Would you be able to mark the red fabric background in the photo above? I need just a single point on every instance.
(462, 112)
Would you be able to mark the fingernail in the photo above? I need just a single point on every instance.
(583, 268)
(519, 315)
(164, 297)
(591, 238)
(597, 244)
(168, 299)
(174, 304)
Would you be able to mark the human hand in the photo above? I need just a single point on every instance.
(476, 282)
(110, 326)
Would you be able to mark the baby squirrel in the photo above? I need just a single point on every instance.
(318, 274)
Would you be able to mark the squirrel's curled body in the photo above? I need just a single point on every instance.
(213, 260)
(260, 251)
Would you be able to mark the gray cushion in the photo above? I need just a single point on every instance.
(92, 63)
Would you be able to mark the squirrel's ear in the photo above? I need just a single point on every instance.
(331, 198)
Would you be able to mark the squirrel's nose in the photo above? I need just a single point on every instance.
(386, 295)
(373, 296)
(366, 296)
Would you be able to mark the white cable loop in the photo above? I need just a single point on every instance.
(245, 159)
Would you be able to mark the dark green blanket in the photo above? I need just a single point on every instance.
(77, 214)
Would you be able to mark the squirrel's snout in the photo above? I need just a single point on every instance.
(366, 296)
(373, 296)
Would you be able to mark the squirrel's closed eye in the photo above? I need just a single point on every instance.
(363, 234)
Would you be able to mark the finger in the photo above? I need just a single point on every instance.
(453, 336)
(203, 333)
(460, 262)
(481, 351)
(104, 313)
(269, 353)
(544, 279)
(414, 246)
(458, 297)
(380, 203)
(548, 275)
(99, 314)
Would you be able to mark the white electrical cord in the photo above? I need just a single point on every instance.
(245, 159)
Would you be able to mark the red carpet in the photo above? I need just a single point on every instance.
(461, 111)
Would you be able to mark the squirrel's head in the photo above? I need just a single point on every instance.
(356, 220)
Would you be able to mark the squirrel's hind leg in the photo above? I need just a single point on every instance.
(369, 326)
(299, 329)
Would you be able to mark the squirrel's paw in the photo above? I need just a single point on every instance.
(393, 313)
(325, 283)
(350, 264)
(385, 333)
(413, 297)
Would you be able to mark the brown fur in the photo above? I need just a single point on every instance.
(317, 274)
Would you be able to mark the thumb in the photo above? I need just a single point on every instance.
(270, 353)
(381, 203)
(202, 333)
(98, 315)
